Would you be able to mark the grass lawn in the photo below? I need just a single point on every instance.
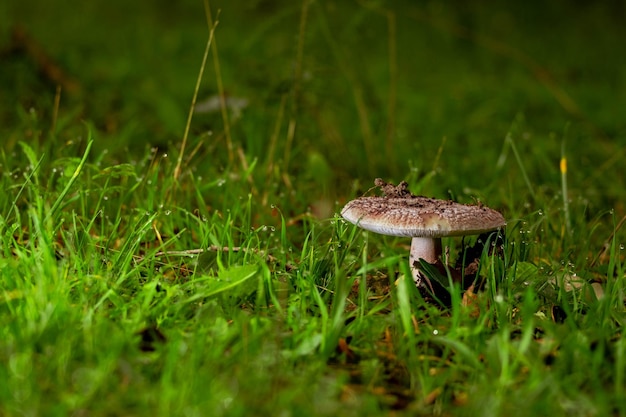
(153, 263)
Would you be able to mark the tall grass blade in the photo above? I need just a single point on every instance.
(57, 204)
(509, 140)
(183, 145)
(563, 169)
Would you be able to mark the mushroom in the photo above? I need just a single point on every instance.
(425, 220)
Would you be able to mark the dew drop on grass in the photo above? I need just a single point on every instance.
(168, 212)
(435, 332)
(540, 212)
(221, 182)
(621, 246)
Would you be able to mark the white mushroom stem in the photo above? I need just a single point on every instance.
(426, 248)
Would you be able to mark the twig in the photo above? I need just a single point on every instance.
(47, 66)
(215, 248)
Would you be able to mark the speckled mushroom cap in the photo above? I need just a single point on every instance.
(415, 216)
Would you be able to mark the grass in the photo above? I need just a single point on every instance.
(230, 286)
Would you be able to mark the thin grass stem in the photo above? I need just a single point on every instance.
(183, 144)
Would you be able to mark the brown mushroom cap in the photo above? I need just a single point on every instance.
(415, 216)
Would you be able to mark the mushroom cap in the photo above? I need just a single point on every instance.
(415, 216)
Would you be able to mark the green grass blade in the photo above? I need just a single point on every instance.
(57, 204)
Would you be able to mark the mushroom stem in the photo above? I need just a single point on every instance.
(426, 248)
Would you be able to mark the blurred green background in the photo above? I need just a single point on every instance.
(376, 88)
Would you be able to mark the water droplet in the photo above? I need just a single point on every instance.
(540, 212)
(168, 212)
(621, 246)
(435, 332)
